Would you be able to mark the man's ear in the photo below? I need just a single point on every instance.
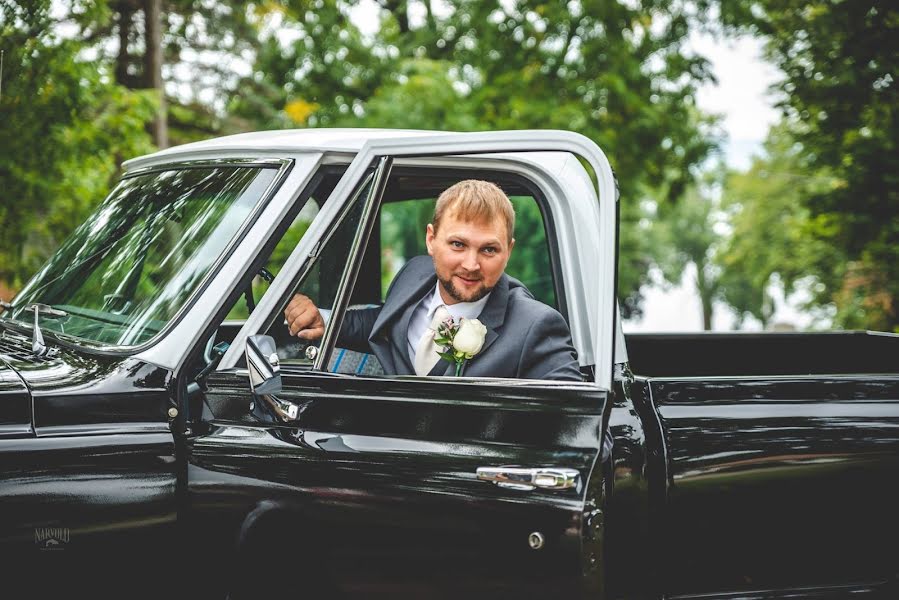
(511, 245)
(429, 238)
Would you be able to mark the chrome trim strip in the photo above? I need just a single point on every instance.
(15, 430)
(861, 590)
(268, 163)
(102, 429)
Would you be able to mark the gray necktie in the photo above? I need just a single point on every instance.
(426, 351)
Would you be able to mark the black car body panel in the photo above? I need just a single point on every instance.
(780, 483)
(92, 487)
(15, 403)
(380, 478)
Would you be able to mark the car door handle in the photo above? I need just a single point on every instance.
(547, 478)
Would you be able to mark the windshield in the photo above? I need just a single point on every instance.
(126, 272)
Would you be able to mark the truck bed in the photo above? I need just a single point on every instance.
(762, 353)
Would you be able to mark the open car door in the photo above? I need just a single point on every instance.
(410, 486)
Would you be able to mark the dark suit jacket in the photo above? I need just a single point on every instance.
(525, 338)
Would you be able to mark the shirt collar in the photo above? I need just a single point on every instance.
(466, 310)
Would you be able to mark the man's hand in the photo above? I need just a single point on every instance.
(303, 319)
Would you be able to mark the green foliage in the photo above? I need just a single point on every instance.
(529, 261)
(403, 226)
(840, 98)
(686, 231)
(614, 71)
(64, 129)
(423, 96)
(769, 244)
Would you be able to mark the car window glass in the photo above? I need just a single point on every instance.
(301, 218)
(241, 310)
(127, 271)
(320, 279)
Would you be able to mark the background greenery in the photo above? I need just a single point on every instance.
(82, 89)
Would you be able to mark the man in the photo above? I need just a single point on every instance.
(469, 243)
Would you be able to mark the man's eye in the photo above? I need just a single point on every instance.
(490, 250)
(456, 244)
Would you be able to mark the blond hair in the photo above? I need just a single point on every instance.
(477, 201)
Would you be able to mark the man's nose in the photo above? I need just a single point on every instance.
(470, 261)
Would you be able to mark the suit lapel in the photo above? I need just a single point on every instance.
(390, 331)
(392, 325)
(443, 367)
(494, 313)
(399, 341)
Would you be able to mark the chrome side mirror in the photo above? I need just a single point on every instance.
(263, 365)
(264, 369)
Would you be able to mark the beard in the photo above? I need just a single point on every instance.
(459, 295)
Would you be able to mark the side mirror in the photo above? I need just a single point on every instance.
(263, 365)
(264, 369)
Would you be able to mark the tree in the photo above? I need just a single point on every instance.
(183, 51)
(839, 98)
(65, 127)
(614, 71)
(686, 230)
(770, 242)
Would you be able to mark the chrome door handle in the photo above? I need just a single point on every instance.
(547, 478)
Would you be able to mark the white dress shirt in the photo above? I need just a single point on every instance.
(424, 312)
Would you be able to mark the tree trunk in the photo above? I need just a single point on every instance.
(153, 68)
(123, 59)
(706, 296)
(400, 11)
(706, 313)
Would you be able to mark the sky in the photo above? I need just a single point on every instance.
(741, 94)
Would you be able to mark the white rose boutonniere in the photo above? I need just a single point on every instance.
(460, 341)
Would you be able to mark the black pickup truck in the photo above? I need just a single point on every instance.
(160, 436)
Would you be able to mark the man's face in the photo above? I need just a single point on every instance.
(469, 257)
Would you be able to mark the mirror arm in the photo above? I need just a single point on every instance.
(248, 296)
(199, 382)
(287, 411)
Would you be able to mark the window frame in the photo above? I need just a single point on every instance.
(592, 213)
(370, 218)
(357, 253)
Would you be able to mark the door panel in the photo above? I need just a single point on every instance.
(373, 489)
(382, 474)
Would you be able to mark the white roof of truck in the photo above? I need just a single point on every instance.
(284, 140)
